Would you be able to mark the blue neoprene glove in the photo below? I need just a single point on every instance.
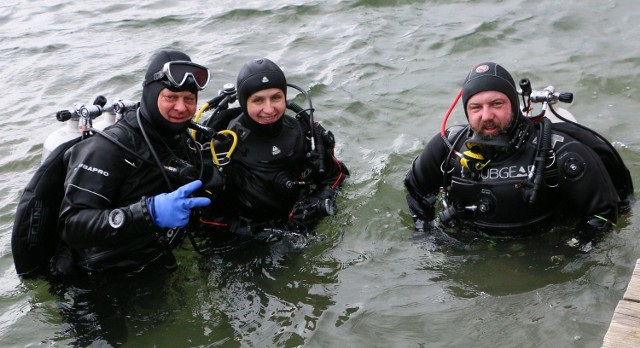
(173, 209)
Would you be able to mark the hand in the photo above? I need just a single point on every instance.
(173, 209)
(310, 209)
(599, 223)
(425, 226)
(421, 208)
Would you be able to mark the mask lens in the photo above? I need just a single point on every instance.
(178, 72)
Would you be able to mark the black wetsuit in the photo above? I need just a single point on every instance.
(575, 186)
(266, 174)
(105, 184)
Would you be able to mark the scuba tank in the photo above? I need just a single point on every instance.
(81, 118)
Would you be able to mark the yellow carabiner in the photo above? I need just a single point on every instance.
(231, 149)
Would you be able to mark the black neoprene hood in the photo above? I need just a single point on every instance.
(256, 75)
(151, 91)
(490, 76)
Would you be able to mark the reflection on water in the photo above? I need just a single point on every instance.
(233, 297)
(274, 294)
(110, 309)
(500, 267)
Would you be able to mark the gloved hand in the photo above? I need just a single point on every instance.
(173, 209)
(425, 226)
(599, 223)
(422, 208)
(312, 208)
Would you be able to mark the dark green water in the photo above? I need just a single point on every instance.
(381, 74)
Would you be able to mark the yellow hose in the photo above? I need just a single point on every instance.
(231, 149)
(229, 132)
(197, 117)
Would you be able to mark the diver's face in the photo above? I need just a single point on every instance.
(489, 113)
(266, 106)
(177, 107)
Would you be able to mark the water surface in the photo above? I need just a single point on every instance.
(381, 74)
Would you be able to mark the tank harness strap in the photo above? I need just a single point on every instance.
(121, 145)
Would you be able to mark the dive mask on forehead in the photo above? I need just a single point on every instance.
(178, 72)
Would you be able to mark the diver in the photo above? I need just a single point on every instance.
(506, 174)
(275, 181)
(128, 192)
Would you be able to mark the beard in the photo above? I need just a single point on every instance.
(502, 130)
(494, 145)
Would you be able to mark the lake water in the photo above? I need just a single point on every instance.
(381, 74)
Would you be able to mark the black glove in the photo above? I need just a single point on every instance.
(422, 208)
(313, 208)
(599, 223)
(425, 226)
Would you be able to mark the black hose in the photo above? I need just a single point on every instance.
(153, 151)
(544, 146)
(306, 115)
(452, 149)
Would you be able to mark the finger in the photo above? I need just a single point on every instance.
(187, 189)
(197, 202)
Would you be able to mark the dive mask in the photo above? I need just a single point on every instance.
(178, 72)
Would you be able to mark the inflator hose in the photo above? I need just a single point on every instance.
(544, 146)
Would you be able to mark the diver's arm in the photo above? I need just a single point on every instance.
(424, 180)
(586, 183)
(335, 171)
(322, 201)
(88, 217)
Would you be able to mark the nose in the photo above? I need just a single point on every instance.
(180, 105)
(487, 113)
(268, 106)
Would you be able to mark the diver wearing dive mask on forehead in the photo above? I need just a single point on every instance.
(504, 174)
(125, 207)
